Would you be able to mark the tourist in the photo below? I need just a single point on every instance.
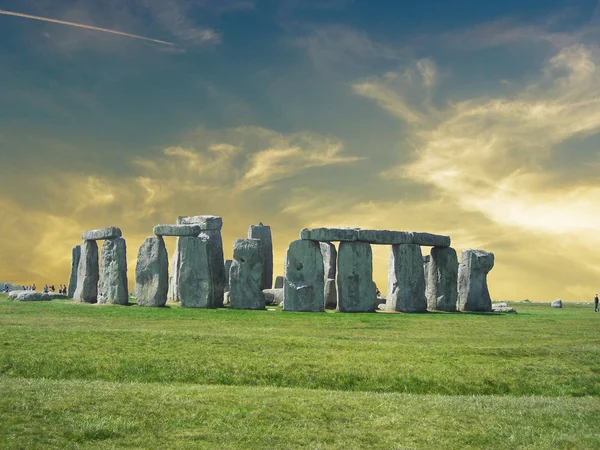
(596, 303)
(6, 288)
(52, 288)
(46, 289)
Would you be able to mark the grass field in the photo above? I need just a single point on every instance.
(76, 376)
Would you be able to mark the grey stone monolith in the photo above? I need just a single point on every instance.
(329, 254)
(227, 269)
(426, 261)
(195, 276)
(245, 275)
(355, 277)
(279, 280)
(329, 234)
(442, 280)
(87, 274)
(406, 280)
(263, 233)
(473, 292)
(273, 297)
(304, 287)
(113, 287)
(75, 256)
(177, 230)
(101, 234)
(173, 291)
(152, 273)
(330, 294)
(557, 303)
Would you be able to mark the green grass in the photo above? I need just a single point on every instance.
(85, 375)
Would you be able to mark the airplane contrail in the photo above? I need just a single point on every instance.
(80, 25)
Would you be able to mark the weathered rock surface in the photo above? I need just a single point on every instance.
(355, 277)
(263, 233)
(279, 280)
(442, 280)
(304, 277)
(75, 257)
(204, 222)
(173, 291)
(426, 261)
(245, 276)
(195, 277)
(329, 234)
(473, 293)
(177, 230)
(101, 234)
(113, 286)
(227, 269)
(330, 294)
(502, 307)
(386, 237)
(273, 297)
(329, 254)
(406, 280)
(557, 303)
(152, 273)
(88, 274)
(33, 296)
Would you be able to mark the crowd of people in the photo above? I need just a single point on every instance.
(62, 289)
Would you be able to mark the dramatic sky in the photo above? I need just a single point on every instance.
(480, 120)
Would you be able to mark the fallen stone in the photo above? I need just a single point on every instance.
(113, 287)
(473, 292)
(304, 282)
(33, 296)
(279, 280)
(442, 279)
(204, 222)
(195, 277)
(330, 294)
(227, 269)
(381, 307)
(329, 254)
(329, 234)
(503, 308)
(355, 277)
(557, 303)
(88, 274)
(152, 273)
(263, 233)
(500, 305)
(75, 257)
(406, 280)
(177, 230)
(245, 277)
(386, 237)
(273, 297)
(101, 234)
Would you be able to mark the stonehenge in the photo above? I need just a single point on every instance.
(317, 275)
(246, 275)
(473, 293)
(263, 234)
(304, 287)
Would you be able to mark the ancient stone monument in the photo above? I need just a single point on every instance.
(329, 254)
(195, 280)
(304, 277)
(263, 233)
(87, 273)
(279, 280)
(75, 256)
(113, 273)
(330, 294)
(406, 280)
(473, 293)
(442, 280)
(355, 277)
(228, 263)
(246, 275)
(152, 273)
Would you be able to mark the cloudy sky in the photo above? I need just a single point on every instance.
(480, 120)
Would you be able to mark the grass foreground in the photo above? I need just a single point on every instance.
(74, 376)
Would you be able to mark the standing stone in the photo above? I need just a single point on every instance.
(195, 275)
(442, 279)
(76, 255)
(329, 259)
(173, 292)
(473, 292)
(355, 277)
(152, 273)
(211, 231)
(87, 274)
(426, 261)
(279, 281)
(227, 269)
(330, 294)
(557, 303)
(304, 283)
(263, 233)
(406, 280)
(245, 276)
(113, 273)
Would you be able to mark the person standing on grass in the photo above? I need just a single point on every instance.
(596, 303)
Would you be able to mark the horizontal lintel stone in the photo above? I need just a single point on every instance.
(386, 237)
(177, 230)
(204, 222)
(329, 234)
(101, 234)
